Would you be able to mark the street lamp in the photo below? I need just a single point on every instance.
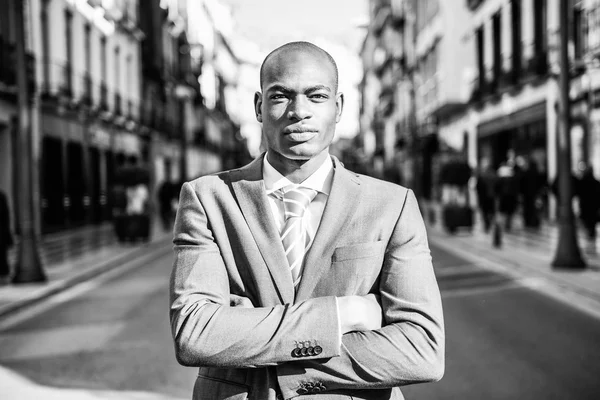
(567, 253)
(29, 266)
(184, 94)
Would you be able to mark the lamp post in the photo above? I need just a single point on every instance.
(184, 94)
(567, 253)
(29, 266)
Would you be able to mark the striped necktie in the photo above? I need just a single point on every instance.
(293, 234)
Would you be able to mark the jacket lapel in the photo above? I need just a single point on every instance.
(342, 202)
(249, 189)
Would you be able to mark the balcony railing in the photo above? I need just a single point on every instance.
(538, 64)
(66, 84)
(103, 97)
(86, 97)
(118, 104)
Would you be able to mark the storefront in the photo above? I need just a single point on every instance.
(63, 186)
(523, 131)
(78, 164)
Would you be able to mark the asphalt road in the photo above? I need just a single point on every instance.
(504, 340)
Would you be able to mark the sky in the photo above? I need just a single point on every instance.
(271, 23)
(334, 25)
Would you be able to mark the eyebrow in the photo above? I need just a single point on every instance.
(311, 89)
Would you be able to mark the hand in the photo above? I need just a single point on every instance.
(360, 313)
(239, 301)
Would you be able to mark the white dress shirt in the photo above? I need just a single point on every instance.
(320, 181)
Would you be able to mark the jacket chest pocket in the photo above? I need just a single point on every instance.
(355, 268)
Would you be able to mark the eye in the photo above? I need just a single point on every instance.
(277, 96)
(319, 97)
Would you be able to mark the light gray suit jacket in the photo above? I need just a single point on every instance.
(371, 240)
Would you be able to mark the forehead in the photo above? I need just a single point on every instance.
(298, 68)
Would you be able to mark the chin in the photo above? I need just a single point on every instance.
(302, 153)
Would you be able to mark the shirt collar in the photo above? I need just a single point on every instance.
(320, 180)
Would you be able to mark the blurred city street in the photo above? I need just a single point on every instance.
(513, 332)
(488, 110)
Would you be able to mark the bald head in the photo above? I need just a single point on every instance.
(306, 48)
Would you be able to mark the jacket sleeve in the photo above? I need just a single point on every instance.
(208, 332)
(409, 348)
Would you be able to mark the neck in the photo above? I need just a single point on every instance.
(296, 170)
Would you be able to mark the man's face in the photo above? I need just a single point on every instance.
(299, 106)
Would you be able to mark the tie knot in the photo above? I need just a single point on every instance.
(296, 199)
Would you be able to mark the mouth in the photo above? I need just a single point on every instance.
(300, 133)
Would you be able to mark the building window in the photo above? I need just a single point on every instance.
(540, 37)
(68, 72)
(517, 47)
(103, 89)
(540, 26)
(578, 31)
(497, 49)
(45, 45)
(117, 83)
(88, 62)
(480, 52)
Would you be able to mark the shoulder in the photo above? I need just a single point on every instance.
(380, 190)
(209, 183)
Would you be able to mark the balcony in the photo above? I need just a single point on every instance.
(8, 70)
(66, 80)
(86, 96)
(537, 65)
(118, 104)
(103, 97)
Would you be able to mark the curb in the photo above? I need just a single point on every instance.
(50, 289)
(542, 281)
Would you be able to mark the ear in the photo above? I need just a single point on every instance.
(339, 105)
(258, 105)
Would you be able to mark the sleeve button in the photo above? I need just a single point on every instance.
(318, 350)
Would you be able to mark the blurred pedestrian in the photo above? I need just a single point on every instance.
(6, 239)
(486, 182)
(531, 184)
(588, 192)
(507, 194)
(284, 268)
(166, 194)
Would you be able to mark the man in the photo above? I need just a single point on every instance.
(349, 308)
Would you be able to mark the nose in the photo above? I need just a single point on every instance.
(299, 109)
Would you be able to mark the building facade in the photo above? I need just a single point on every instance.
(113, 83)
(485, 80)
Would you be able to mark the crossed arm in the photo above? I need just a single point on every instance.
(388, 341)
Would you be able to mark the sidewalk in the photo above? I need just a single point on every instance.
(75, 256)
(526, 255)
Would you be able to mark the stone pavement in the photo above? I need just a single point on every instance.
(73, 257)
(526, 255)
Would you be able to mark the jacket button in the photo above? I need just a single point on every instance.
(302, 391)
(318, 350)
